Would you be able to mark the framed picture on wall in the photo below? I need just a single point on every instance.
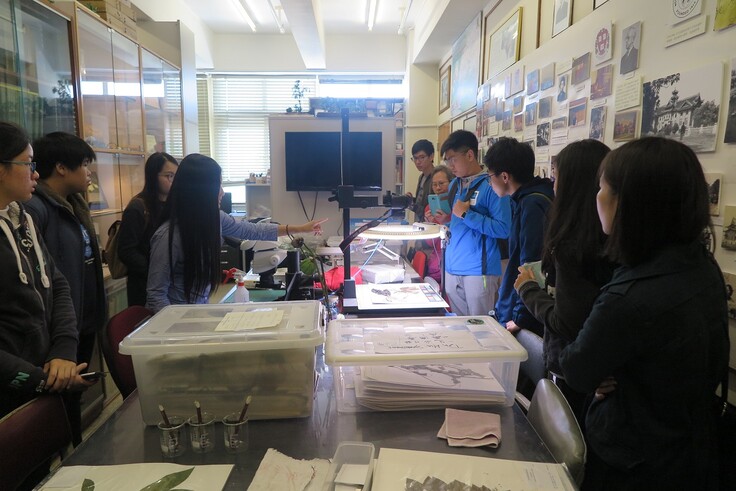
(505, 42)
(598, 3)
(445, 85)
(562, 16)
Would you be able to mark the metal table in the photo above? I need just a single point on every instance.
(125, 439)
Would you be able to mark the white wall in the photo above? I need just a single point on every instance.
(285, 204)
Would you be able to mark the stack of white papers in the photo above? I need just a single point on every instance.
(395, 388)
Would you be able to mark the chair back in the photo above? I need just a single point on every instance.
(532, 370)
(553, 419)
(419, 263)
(121, 366)
(30, 436)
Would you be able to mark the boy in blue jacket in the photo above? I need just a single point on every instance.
(510, 165)
(479, 220)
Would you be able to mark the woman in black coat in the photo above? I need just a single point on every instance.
(656, 343)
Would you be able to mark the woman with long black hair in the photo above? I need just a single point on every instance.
(185, 250)
(140, 219)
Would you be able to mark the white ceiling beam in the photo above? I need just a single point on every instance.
(305, 21)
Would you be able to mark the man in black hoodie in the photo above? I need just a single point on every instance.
(510, 165)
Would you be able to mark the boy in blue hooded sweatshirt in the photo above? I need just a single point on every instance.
(479, 220)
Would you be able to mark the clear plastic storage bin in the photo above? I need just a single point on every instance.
(422, 363)
(180, 356)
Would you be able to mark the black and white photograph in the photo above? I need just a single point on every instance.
(543, 131)
(562, 16)
(685, 106)
(630, 54)
(715, 181)
(505, 42)
(730, 136)
(729, 228)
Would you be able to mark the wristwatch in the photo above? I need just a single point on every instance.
(464, 213)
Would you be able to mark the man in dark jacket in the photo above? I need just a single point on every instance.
(510, 165)
(62, 215)
(422, 154)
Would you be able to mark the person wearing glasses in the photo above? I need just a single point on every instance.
(62, 216)
(38, 326)
(185, 263)
(140, 220)
(441, 178)
(480, 219)
(510, 166)
(422, 154)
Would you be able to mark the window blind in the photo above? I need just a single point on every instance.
(238, 107)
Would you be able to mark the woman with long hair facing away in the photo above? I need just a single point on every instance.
(572, 260)
(185, 250)
(140, 219)
(655, 346)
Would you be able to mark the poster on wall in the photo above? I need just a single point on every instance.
(547, 76)
(715, 181)
(603, 43)
(730, 136)
(729, 228)
(562, 84)
(602, 85)
(725, 14)
(577, 112)
(630, 56)
(730, 287)
(682, 10)
(465, 68)
(684, 106)
(598, 123)
(504, 45)
(581, 69)
(624, 125)
(562, 16)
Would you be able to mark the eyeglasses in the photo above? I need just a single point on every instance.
(450, 161)
(438, 184)
(31, 164)
(490, 176)
(168, 175)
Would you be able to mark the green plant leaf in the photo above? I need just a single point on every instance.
(88, 485)
(168, 483)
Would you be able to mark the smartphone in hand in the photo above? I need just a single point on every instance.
(90, 376)
(438, 202)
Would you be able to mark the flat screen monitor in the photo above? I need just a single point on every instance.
(313, 160)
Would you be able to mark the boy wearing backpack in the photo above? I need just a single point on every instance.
(510, 165)
(62, 215)
(479, 220)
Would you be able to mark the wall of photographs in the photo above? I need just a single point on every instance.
(561, 70)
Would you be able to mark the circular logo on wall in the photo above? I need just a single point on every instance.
(602, 42)
(683, 8)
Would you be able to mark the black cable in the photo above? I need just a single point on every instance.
(304, 209)
(347, 240)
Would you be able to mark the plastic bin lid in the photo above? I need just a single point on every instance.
(415, 340)
(186, 328)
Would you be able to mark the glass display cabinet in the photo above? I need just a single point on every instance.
(162, 105)
(36, 89)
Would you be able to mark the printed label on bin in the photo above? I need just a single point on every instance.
(425, 342)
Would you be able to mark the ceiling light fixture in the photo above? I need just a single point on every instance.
(372, 8)
(277, 11)
(240, 7)
(404, 16)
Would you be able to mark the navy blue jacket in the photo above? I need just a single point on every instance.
(529, 205)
